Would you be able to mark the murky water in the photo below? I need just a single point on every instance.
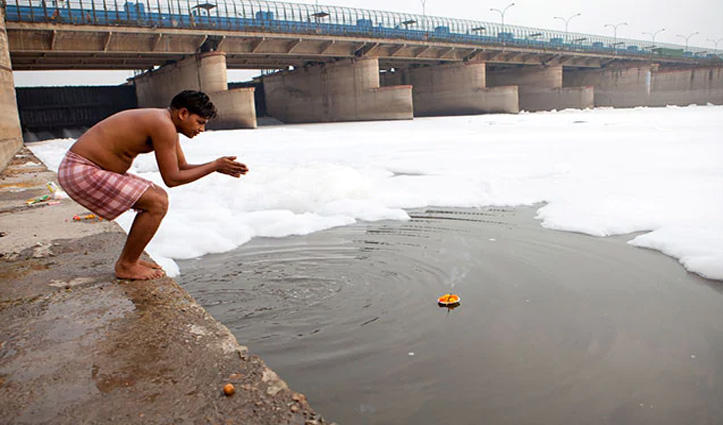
(553, 327)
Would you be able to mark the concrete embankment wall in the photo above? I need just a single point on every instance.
(347, 90)
(10, 132)
(541, 88)
(453, 89)
(206, 72)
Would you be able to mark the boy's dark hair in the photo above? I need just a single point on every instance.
(197, 102)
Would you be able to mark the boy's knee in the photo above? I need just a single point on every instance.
(160, 201)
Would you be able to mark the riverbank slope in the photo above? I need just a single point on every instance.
(79, 346)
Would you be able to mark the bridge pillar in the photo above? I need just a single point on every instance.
(651, 86)
(541, 88)
(347, 90)
(616, 87)
(453, 89)
(205, 72)
(11, 135)
(687, 86)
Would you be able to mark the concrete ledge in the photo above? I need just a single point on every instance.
(79, 346)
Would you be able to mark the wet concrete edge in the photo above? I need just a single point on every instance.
(78, 346)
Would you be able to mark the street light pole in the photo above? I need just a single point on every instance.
(567, 21)
(687, 38)
(715, 43)
(424, 14)
(652, 36)
(615, 33)
(502, 13)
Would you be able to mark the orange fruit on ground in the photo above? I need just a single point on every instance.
(229, 389)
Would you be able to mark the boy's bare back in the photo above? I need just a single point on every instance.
(114, 142)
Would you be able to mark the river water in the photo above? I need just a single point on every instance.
(553, 327)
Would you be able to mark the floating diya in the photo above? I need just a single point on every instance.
(448, 300)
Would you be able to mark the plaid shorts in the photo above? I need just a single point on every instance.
(106, 193)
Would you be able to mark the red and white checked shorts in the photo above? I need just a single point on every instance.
(106, 193)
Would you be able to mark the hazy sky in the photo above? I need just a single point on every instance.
(677, 17)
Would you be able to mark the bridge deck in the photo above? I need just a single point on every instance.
(92, 34)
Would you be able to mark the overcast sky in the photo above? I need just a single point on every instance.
(677, 17)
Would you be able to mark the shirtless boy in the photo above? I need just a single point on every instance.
(94, 170)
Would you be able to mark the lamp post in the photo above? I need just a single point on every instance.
(615, 33)
(686, 38)
(567, 21)
(424, 14)
(652, 36)
(502, 13)
(715, 43)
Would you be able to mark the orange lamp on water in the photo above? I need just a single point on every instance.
(448, 300)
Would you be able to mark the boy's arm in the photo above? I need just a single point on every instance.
(227, 164)
(174, 169)
(165, 141)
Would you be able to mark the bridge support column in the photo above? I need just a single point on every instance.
(453, 89)
(541, 88)
(687, 86)
(617, 87)
(347, 90)
(651, 86)
(205, 72)
(11, 138)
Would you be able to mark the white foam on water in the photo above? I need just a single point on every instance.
(601, 172)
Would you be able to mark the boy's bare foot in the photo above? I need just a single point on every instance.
(150, 264)
(137, 271)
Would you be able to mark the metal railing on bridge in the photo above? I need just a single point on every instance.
(291, 18)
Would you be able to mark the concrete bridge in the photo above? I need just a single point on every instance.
(344, 64)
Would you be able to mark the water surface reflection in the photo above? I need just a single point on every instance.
(553, 327)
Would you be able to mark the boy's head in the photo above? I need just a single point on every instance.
(196, 102)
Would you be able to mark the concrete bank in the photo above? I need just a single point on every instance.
(78, 346)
